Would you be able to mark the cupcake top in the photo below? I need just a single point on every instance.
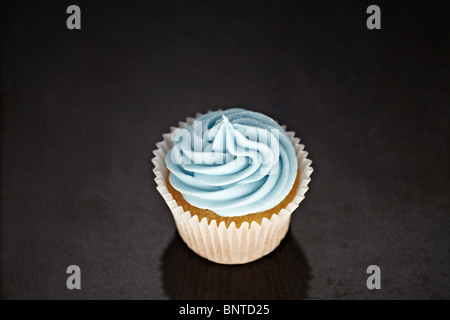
(233, 162)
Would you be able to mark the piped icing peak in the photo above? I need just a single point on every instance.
(232, 162)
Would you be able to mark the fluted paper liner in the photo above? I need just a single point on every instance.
(217, 242)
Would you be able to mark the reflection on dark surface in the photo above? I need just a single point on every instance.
(283, 274)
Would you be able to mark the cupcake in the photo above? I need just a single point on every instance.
(231, 180)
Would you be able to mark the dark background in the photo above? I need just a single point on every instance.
(83, 109)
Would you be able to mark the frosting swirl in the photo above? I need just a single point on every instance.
(232, 162)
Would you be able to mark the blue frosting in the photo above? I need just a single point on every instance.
(232, 162)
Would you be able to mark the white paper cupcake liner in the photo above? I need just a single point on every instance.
(230, 245)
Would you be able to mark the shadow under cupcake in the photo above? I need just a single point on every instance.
(281, 275)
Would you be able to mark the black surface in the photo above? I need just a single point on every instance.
(82, 110)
